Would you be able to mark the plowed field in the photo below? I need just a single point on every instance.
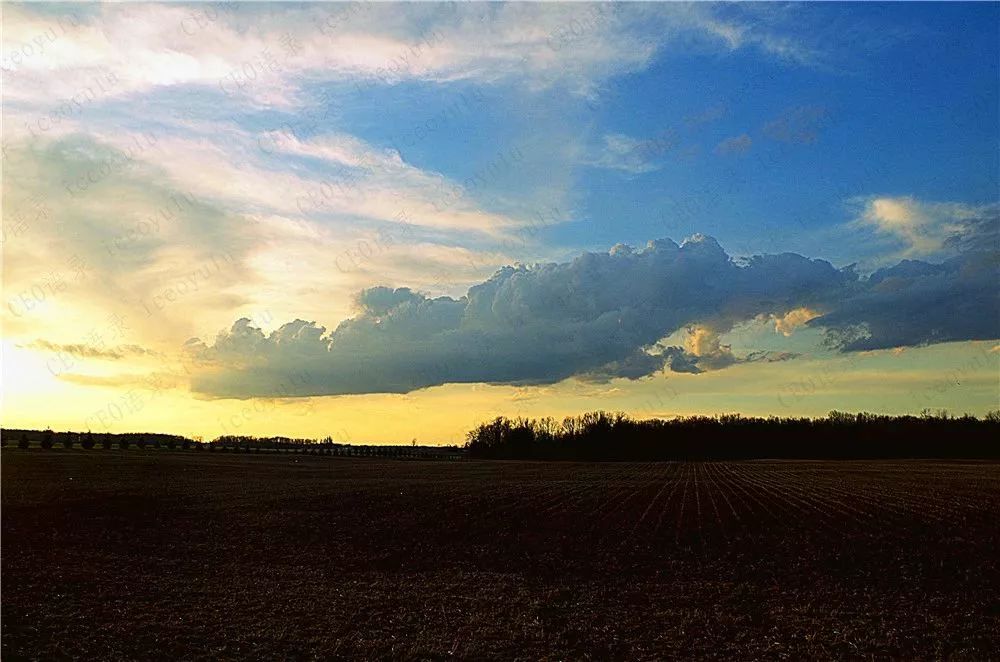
(157, 554)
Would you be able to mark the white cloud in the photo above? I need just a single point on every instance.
(920, 227)
(621, 152)
(256, 55)
(793, 319)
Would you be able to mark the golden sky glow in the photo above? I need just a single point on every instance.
(171, 169)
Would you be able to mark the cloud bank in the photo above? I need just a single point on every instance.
(602, 315)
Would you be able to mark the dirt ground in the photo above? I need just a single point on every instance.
(143, 554)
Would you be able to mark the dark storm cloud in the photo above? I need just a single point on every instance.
(915, 302)
(600, 316)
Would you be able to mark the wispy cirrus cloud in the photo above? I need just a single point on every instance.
(624, 153)
(253, 52)
(736, 145)
(921, 228)
(115, 352)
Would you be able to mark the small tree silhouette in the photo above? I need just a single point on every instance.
(88, 441)
(47, 439)
(106, 441)
(23, 442)
(123, 443)
(67, 441)
(141, 444)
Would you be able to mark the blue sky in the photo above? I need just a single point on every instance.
(328, 149)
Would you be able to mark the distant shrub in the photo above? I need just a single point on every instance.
(67, 441)
(88, 441)
(107, 442)
(23, 442)
(141, 444)
(123, 443)
(171, 444)
(47, 439)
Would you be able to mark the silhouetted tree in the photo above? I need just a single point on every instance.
(88, 441)
(123, 443)
(23, 442)
(67, 440)
(47, 439)
(107, 441)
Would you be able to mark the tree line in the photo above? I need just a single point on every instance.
(615, 436)
(47, 439)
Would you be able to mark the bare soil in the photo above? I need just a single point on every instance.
(153, 554)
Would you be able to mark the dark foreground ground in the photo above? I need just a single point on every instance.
(157, 554)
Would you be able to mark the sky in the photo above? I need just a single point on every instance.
(384, 222)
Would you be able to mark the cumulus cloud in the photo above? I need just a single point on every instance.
(704, 344)
(793, 319)
(915, 303)
(600, 316)
(599, 313)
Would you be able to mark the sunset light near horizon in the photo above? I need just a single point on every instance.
(383, 222)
